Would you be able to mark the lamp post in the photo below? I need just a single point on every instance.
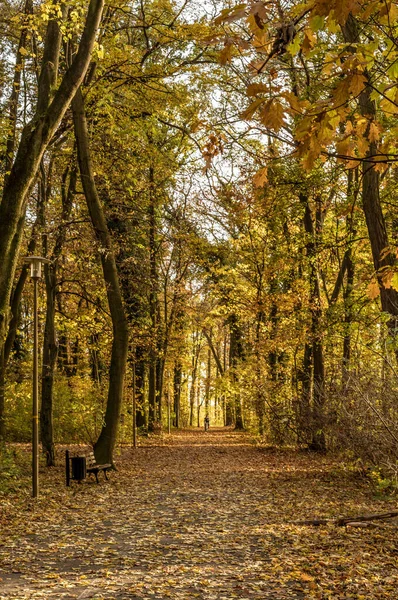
(35, 273)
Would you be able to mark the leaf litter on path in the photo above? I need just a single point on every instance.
(198, 515)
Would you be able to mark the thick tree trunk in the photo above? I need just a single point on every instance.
(375, 221)
(236, 356)
(107, 439)
(35, 138)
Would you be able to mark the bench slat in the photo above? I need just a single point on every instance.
(91, 466)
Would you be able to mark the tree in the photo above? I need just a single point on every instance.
(35, 137)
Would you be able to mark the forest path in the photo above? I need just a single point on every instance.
(198, 515)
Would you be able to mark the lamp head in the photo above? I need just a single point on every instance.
(35, 265)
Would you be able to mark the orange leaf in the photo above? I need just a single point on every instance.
(256, 88)
(373, 289)
(252, 108)
(261, 177)
(272, 115)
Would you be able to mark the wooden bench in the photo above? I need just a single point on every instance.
(88, 465)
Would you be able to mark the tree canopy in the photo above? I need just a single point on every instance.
(215, 187)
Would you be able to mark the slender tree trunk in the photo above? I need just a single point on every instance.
(228, 412)
(192, 393)
(139, 386)
(107, 439)
(208, 382)
(195, 362)
(153, 306)
(317, 442)
(151, 392)
(50, 352)
(304, 375)
(13, 326)
(347, 295)
(160, 364)
(50, 346)
(177, 392)
(260, 399)
(348, 317)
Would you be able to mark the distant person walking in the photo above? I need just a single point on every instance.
(207, 423)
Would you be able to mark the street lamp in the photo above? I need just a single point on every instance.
(35, 273)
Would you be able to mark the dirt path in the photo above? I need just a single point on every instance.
(199, 516)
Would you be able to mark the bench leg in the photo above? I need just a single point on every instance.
(106, 475)
(96, 476)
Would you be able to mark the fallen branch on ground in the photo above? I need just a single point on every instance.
(340, 522)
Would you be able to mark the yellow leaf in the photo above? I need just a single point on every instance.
(363, 145)
(357, 83)
(344, 147)
(394, 281)
(374, 132)
(294, 47)
(387, 278)
(341, 93)
(309, 160)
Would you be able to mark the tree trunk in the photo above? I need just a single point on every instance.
(235, 357)
(50, 345)
(208, 383)
(34, 140)
(379, 242)
(177, 392)
(50, 352)
(13, 326)
(153, 307)
(139, 387)
(347, 295)
(317, 442)
(107, 439)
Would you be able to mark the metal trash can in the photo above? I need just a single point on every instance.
(79, 467)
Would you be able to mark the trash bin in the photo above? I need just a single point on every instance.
(79, 468)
